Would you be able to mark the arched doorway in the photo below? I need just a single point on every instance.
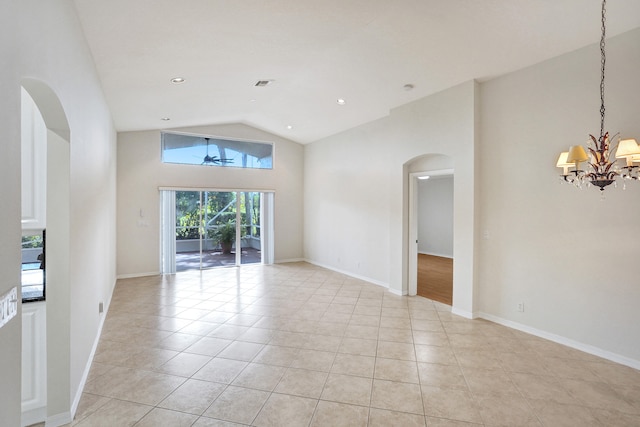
(44, 398)
(422, 166)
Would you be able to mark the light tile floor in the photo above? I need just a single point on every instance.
(298, 345)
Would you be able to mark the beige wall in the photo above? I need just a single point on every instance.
(43, 42)
(356, 190)
(520, 235)
(565, 253)
(141, 172)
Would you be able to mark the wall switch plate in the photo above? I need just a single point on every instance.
(521, 307)
(8, 306)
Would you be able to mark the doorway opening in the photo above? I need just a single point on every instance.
(206, 229)
(435, 236)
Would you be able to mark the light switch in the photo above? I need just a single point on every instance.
(8, 306)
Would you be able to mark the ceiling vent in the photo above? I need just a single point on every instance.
(263, 83)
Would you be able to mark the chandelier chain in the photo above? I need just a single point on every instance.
(603, 61)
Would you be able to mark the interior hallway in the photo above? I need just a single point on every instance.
(298, 345)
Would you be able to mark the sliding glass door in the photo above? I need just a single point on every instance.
(213, 229)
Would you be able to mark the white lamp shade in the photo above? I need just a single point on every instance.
(627, 148)
(562, 160)
(577, 154)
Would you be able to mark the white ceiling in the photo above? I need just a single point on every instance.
(317, 51)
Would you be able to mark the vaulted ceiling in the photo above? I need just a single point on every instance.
(313, 53)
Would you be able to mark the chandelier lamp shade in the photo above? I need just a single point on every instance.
(601, 154)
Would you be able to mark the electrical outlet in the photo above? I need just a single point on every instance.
(100, 307)
(521, 307)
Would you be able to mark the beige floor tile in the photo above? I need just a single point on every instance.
(220, 370)
(561, 415)
(435, 354)
(302, 382)
(359, 346)
(184, 364)
(396, 396)
(396, 350)
(396, 370)
(276, 355)
(208, 346)
(482, 381)
(314, 360)
(159, 417)
(616, 418)
(260, 377)
(347, 389)
(506, 411)
(449, 376)
(237, 404)
(396, 335)
(228, 331)
(322, 342)
(199, 327)
(339, 415)
(442, 422)
(542, 388)
(368, 355)
(385, 418)
(286, 410)
(89, 403)
(150, 389)
(452, 404)
(598, 395)
(241, 350)
(116, 413)
(350, 364)
(178, 341)
(193, 397)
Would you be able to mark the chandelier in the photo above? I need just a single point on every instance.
(601, 168)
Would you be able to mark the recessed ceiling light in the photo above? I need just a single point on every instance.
(341, 101)
(166, 119)
(408, 87)
(424, 177)
(289, 127)
(177, 80)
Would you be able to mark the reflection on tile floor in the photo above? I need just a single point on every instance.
(298, 345)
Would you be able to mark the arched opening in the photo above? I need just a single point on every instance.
(48, 386)
(463, 227)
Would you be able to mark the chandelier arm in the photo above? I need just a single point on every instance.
(603, 61)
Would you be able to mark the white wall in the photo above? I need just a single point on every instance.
(435, 216)
(356, 190)
(566, 254)
(43, 41)
(141, 173)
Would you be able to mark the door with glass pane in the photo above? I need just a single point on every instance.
(210, 226)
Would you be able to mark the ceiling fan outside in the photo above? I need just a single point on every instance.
(214, 160)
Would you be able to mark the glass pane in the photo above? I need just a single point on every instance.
(187, 230)
(33, 267)
(250, 214)
(210, 151)
(219, 224)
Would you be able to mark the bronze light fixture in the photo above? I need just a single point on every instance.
(601, 169)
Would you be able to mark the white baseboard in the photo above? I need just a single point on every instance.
(623, 360)
(134, 275)
(355, 276)
(59, 420)
(87, 368)
(33, 416)
(464, 313)
(284, 261)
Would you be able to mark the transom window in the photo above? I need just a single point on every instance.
(212, 151)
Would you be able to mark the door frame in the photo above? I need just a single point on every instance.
(413, 224)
